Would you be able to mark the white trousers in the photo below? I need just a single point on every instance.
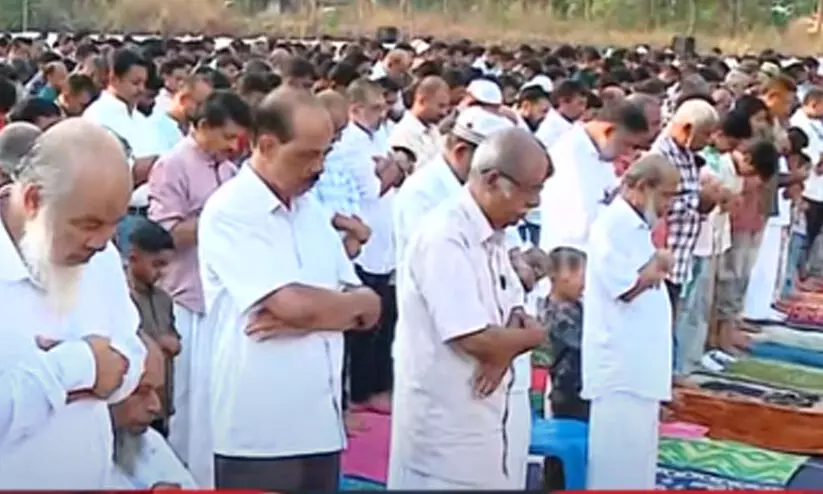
(519, 431)
(190, 430)
(623, 439)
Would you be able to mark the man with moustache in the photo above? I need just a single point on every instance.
(627, 339)
(461, 325)
(142, 458)
(584, 177)
(279, 292)
(179, 185)
(70, 346)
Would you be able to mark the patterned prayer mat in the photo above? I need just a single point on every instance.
(678, 479)
(729, 460)
(778, 373)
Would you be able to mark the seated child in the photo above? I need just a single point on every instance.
(562, 315)
(149, 254)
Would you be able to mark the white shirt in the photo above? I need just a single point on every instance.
(574, 196)
(44, 442)
(450, 288)
(813, 128)
(359, 148)
(156, 463)
(130, 125)
(552, 128)
(716, 230)
(414, 135)
(280, 397)
(626, 346)
(162, 102)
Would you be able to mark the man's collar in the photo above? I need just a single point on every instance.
(479, 223)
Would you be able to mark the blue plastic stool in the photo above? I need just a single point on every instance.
(567, 441)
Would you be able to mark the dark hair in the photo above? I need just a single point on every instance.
(532, 94)
(148, 236)
(8, 95)
(737, 126)
(568, 89)
(123, 60)
(30, 109)
(749, 106)
(299, 68)
(764, 157)
(214, 77)
(227, 61)
(813, 94)
(221, 107)
(169, 66)
(798, 140)
(625, 116)
(563, 258)
(343, 74)
(257, 82)
(80, 83)
(84, 50)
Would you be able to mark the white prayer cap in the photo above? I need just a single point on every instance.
(541, 81)
(419, 46)
(790, 62)
(474, 124)
(485, 91)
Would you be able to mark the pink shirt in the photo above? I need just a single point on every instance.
(179, 184)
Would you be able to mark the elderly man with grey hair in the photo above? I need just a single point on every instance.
(687, 133)
(16, 140)
(626, 348)
(70, 346)
(461, 325)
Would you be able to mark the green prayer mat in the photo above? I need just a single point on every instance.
(778, 373)
(729, 459)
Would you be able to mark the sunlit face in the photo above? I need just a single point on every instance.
(514, 196)
(780, 103)
(221, 140)
(436, 107)
(132, 85)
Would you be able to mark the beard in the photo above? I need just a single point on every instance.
(60, 283)
(127, 449)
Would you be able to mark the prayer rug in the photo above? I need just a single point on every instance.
(790, 354)
(367, 455)
(778, 373)
(730, 460)
(358, 484)
(786, 336)
(684, 479)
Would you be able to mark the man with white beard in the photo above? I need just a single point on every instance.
(142, 457)
(69, 347)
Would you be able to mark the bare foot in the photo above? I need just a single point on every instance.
(354, 425)
(380, 403)
(735, 342)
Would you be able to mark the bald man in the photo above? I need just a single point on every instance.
(280, 291)
(461, 324)
(417, 131)
(70, 347)
(626, 348)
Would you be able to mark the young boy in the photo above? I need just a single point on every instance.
(562, 316)
(151, 246)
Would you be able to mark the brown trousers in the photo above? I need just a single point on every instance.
(309, 473)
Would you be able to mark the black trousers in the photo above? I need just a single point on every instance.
(309, 473)
(368, 353)
(814, 223)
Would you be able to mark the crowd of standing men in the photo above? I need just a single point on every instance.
(214, 258)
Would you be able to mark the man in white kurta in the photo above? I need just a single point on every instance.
(457, 283)
(49, 439)
(627, 339)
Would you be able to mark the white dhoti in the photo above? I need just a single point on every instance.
(623, 440)
(395, 454)
(190, 426)
(185, 322)
(762, 287)
(518, 433)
